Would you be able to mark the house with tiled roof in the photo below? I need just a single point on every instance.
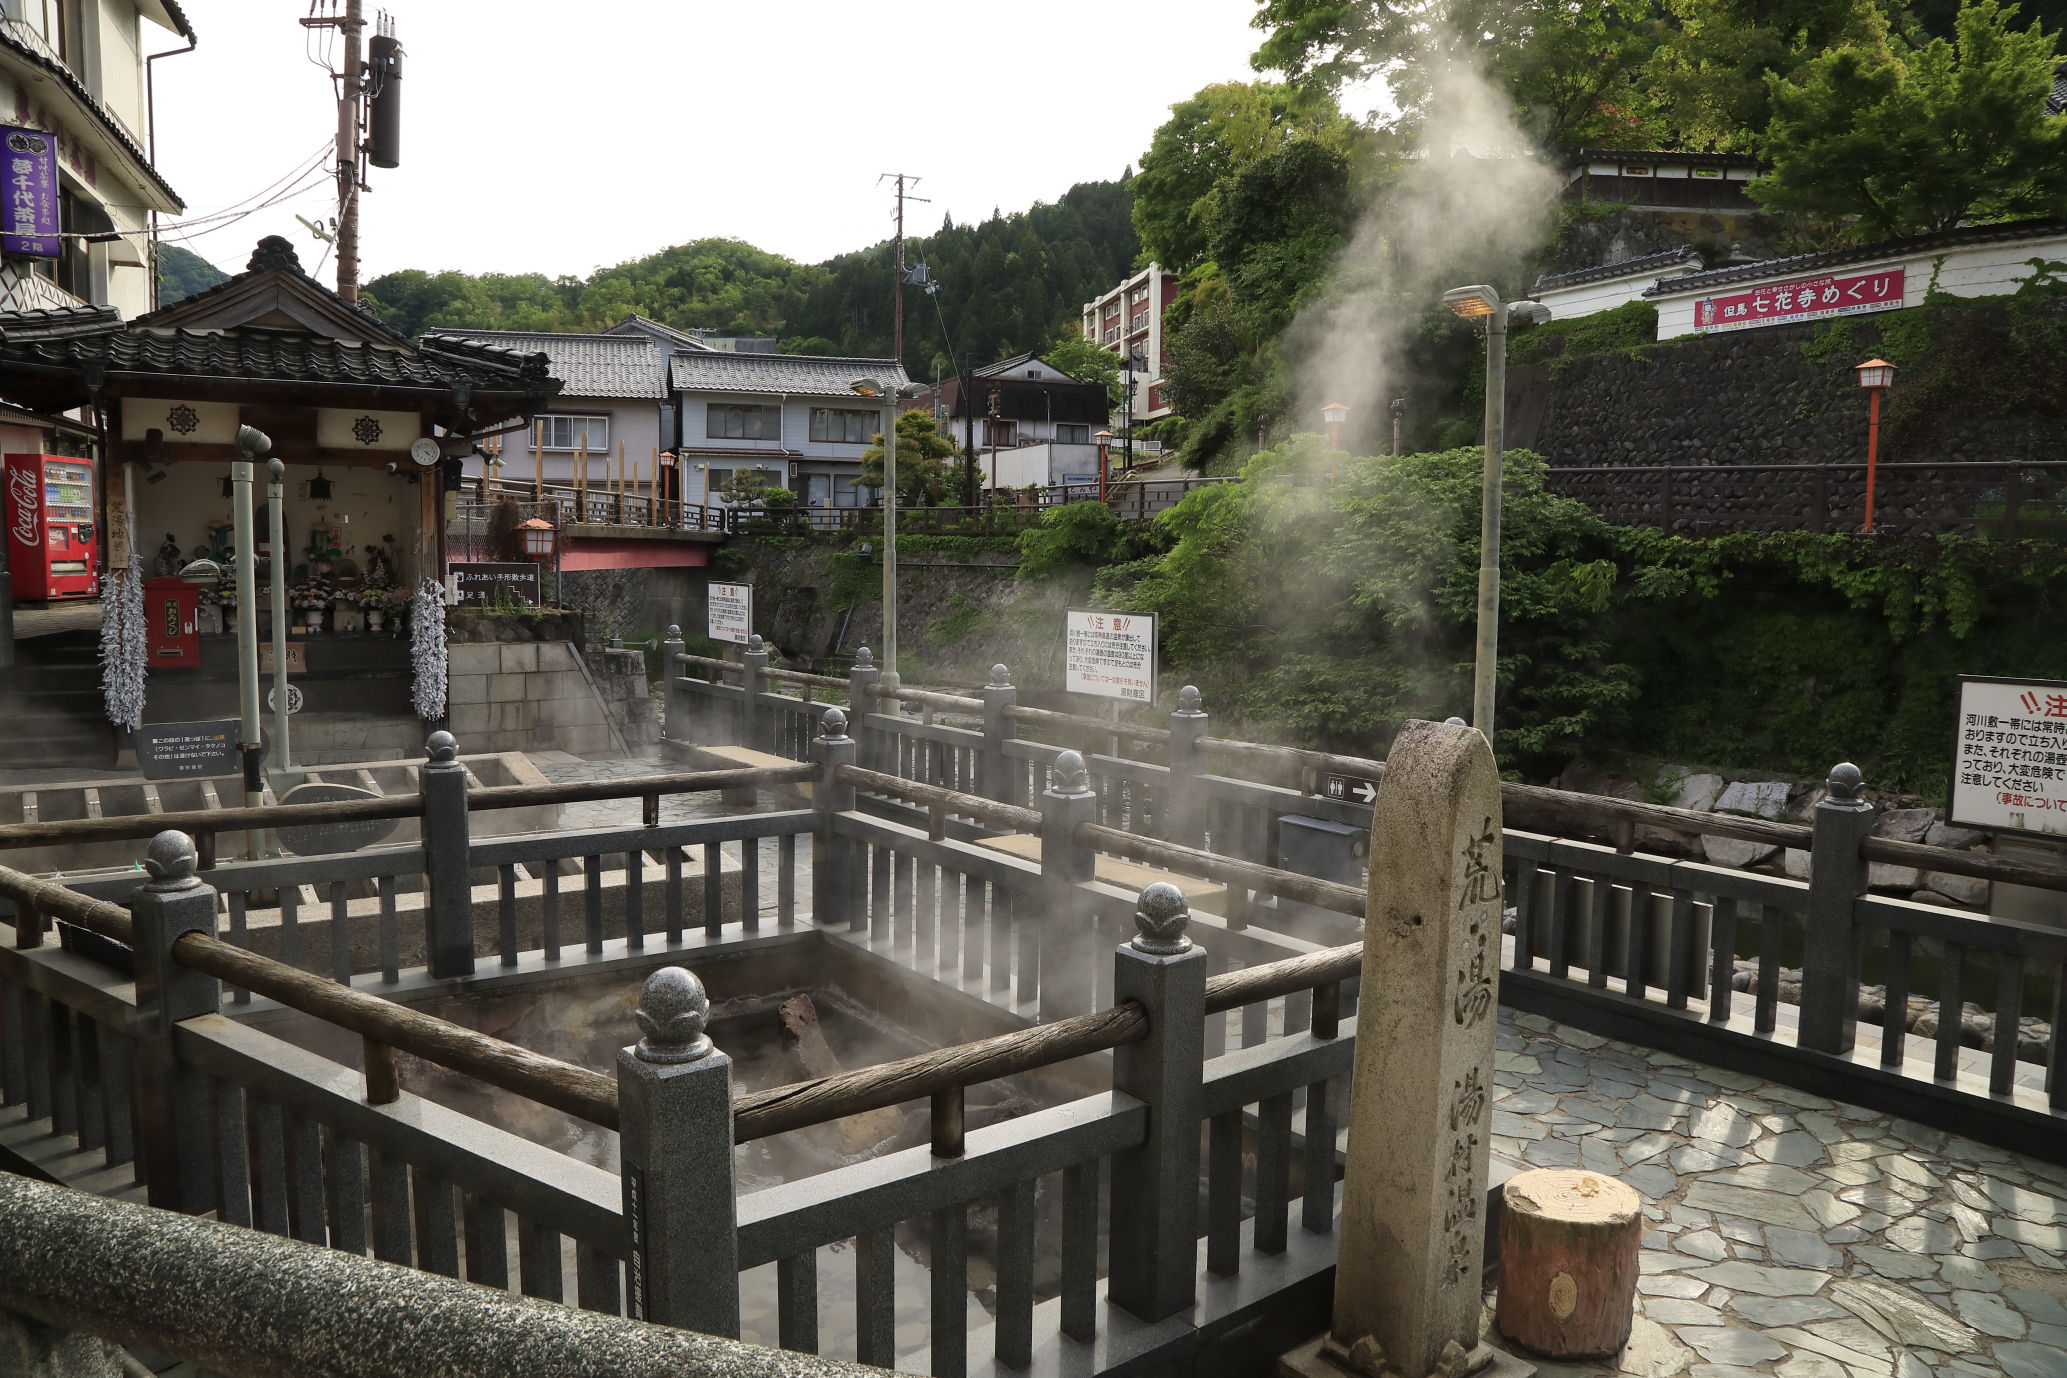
(795, 417)
(612, 421)
(75, 121)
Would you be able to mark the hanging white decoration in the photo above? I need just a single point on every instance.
(123, 649)
(427, 649)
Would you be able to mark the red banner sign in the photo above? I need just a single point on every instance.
(1807, 300)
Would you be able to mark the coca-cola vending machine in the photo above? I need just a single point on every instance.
(49, 512)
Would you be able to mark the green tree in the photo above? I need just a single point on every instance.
(1922, 139)
(1572, 67)
(182, 272)
(1709, 76)
(925, 462)
(1222, 128)
(1086, 361)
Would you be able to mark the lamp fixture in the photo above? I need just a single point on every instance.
(229, 486)
(319, 487)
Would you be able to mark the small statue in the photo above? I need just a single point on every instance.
(379, 568)
(169, 560)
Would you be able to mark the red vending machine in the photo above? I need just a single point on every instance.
(49, 513)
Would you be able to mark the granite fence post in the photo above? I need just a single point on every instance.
(753, 678)
(448, 885)
(677, 727)
(999, 773)
(1182, 815)
(1830, 952)
(1412, 1234)
(861, 677)
(837, 877)
(674, 1097)
(1155, 1195)
(172, 1123)
(1058, 935)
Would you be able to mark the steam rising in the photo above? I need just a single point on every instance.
(1469, 204)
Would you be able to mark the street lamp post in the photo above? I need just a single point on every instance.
(1332, 416)
(1104, 439)
(890, 393)
(1876, 376)
(251, 443)
(1471, 303)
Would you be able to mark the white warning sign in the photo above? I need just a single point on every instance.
(1110, 654)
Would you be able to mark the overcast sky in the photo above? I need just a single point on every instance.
(563, 137)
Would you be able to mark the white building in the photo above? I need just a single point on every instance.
(1128, 320)
(795, 417)
(75, 70)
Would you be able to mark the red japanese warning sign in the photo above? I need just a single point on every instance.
(2009, 768)
(1807, 300)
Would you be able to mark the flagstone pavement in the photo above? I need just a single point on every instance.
(1788, 1234)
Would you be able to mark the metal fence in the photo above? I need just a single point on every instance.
(2009, 500)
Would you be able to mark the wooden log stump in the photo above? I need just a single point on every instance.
(1568, 1262)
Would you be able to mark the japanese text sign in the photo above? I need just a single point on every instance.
(2009, 765)
(484, 582)
(28, 193)
(1110, 654)
(177, 750)
(731, 612)
(1808, 300)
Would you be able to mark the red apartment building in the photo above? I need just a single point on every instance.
(1128, 320)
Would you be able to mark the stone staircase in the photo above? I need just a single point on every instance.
(50, 704)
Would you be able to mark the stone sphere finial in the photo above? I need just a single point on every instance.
(674, 632)
(1160, 918)
(1190, 701)
(672, 1012)
(833, 726)
(1455, 722)
(754, 644)
(864, 659)
(1845, 781)
(171, 862)
(1069, 774)
(442, 748)
(1000, 678)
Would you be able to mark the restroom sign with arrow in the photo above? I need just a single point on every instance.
(1349, 787)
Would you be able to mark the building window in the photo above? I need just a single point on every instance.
(842, 426)
(1067, 434)
(591, 433)
(1003, 434)
(726, 422)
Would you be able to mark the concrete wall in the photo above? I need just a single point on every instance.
(534, 696)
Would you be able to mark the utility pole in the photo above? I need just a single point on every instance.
(904, 180)
(371, 76)
(348, 91)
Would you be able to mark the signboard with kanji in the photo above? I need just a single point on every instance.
(185, 750)
(1807, 300)
(2009, 765)
(484, 583)
(28, 193)
(731, 612)
(1110, 654)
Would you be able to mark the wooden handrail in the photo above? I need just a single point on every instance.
(1020, 712)
(586, 1095)
(1153, 851)
(952, 703)
(1009, 816)
(1233, 989)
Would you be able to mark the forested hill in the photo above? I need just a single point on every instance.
(1012, 283)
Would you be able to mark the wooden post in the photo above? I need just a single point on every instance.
(1568, 1262)
(581, 477)
(538, 461)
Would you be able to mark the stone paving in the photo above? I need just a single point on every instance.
(1788, 1234)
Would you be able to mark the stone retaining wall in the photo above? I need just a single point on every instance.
(527, 696)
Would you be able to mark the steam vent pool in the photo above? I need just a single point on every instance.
(866, 1009)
